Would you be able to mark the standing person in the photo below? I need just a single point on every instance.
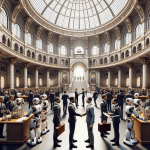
(15, 92)
(57, 93)
(103, 107)
(10, 104)
(129, 95)
(72, 121)
(56, 121)
(76, 97)
(121, 98)
(95, 96)
(6, 97)
(52, 99)
(37, 95)
(116, 120)
(83, 95)
(90, 116)
(109, 98)
(30, 98)
(65, 102)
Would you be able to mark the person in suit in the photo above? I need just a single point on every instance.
(65, 102)
(83, 95)
(116, 120)
(121, 98)
(76, 97)
(47, 92)
(72, 121)
(30, 98)
(95, 96)
(2, 110)
(129, 95)
(52, 99)
(56, 121)
(37, 95)
(15, 92)
(103, 107)
(109, 98)
(10, 104)
(90, 116)
(57, 93)
(6, 97)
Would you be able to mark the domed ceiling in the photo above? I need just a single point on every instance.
(78, 14)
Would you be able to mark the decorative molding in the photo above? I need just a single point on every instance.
(49, 37)
(11, 60)
(26, 65)
(119, 67)
(71, 42)
(1, 2)
(28, 23)
(144, 60)
(117, 30)
(107, 36)
(97, 40)
(37, 67)
(60, 40)
(128, 24)
(39, 31)
(130, 65)
(16, 12)
(86, 42)
(140, 12)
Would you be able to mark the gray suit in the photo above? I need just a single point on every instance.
(90, 116)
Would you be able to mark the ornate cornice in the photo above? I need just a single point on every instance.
(28, 22)
(11, 60)
(79, 33)
(1, 2)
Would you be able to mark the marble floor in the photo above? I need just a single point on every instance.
(80, 133)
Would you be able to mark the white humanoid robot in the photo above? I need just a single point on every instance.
(35, 130)
(137, 103)
(130, 135)
(44, 106)
(19, 101)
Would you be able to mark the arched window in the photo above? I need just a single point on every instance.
(40, 82)
(127, 81)
(79, 50)
(17, 30)
(2, 82)
(116, 81)
(126, 39)
(51, 60)
(112, 58)
(40, 57)
(4, 39)
(116, 44)
(44, 58)
(21, 50)
(29, 82)
(63, 50)
(33, 55)
(127, 53)
(40, 44)
(106, 81)
(4, 18)
(28, 53)
(138, 31)
(138, 81)
(17, 82)
(55, 61)
(51, 47)
(116, 57)
(16, 47)
(29, 38)
(105, 48)
(8, 43)
(94, 50)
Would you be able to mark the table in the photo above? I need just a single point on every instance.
(17, 132)
(143, 98)
(25, 98)
(142, 130)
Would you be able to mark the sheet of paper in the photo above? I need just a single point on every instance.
(21, 119)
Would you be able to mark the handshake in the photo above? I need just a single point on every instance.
(81, 115)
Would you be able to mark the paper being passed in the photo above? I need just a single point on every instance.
(21, 119)
(106, 114)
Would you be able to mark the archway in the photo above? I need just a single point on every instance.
(79, 73)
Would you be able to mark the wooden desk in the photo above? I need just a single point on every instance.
(17, 132)
(142, 130)
(143, 98)
(25, 98)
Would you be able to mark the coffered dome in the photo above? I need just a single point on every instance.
(78, 14)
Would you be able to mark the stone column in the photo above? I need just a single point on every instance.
(109, 77)
(11, 61)
(37, 76)
(25, 65)
(119, 76)
(145, 62)
(47, 83)
(98, 77)
(130, 65)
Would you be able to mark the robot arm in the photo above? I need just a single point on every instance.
(29, 112)
(136, 115)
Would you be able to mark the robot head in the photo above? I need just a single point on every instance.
(129, 101)
(19, 101)
(36, 101)
(44, 96)
(45, 104)
(136, 95)
(19, 95)
(137, 102)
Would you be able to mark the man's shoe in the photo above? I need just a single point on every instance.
(74, 141)
(59, 140)
(73, 146)
(106, 133)
(90, 146)
(2, 136)
(115, 144)
(56, 145)
(87, 141)
(113, 140)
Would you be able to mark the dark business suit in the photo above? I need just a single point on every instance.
(72, 121)
(120, 98)
(37, 96)
(129, 95)
(95, 96)
(6, 99)
(56, 120)
(83, 95)
(109, 97)
(76, 98)
(103, 107)
(10, 105)
(52, 100)
(57, 94)
(30, 98)
(116, 120)
(65, 102)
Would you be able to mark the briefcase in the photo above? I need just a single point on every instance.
(104, 127)
(60, 129)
